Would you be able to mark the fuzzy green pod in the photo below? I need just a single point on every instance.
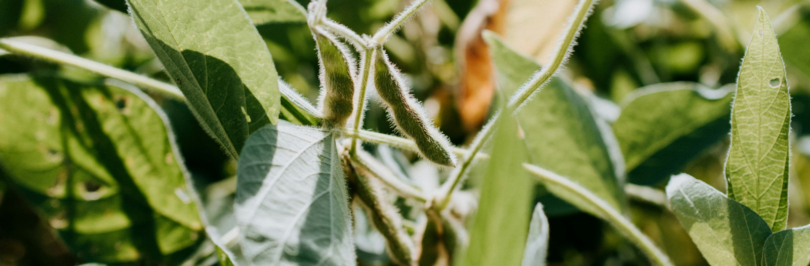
(408, 115)
(337, 78)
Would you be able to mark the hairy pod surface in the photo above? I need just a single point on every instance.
(408, 114)
(337, 78)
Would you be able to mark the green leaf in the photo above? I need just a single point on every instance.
(788, 248)
(537, 243)
(758, 161)
(100, 164)
(291, 199)
(120, 5)
(664, 126)
(558, 119)
(274, 11)
(224, 255)
(499, 229)
(725, 231)
(217, 58)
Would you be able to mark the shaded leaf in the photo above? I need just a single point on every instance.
(217, 58)
(558, 119)
(537, 243)
(788, 248)
(725, 231)
(759, 159)
(100, 164)
(291, 199)
(663, 127)
(498, 232)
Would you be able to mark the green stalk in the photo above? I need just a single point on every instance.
(359, 108)
(382, 34)
(606, 212)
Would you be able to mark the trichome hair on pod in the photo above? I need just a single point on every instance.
(408, 115)
(337, 78)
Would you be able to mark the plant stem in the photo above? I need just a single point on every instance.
(382, 34)
(344, 32)
(647, 194)
(359, 108)
(397, 142)
(18, 47)
(367, 163)
(607, 212)
(527, 89)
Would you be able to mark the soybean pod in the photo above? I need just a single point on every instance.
(337, 78)
(408, 115)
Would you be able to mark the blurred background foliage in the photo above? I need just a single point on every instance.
(626, 45)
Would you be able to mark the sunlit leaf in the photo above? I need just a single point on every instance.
(662, 127)
(274, 11)
(561, 132)
(759, 159)
(217, 58)
(100, 163)
(725, 231)
(788, 248)
(499, 229)
(291, 199)
(537, 243)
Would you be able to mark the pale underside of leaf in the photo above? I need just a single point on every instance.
(537, 243)
(725, 231)
(758, 162)
(218, 60)
(291, 199)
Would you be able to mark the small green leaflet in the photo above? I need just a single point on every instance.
(217, 58)
(537, 243)
(788, 248)
(100, 163)
(558, 119)
(664, 126)
(725, 231)
(498, 232)
(291, 199)
(759, 158)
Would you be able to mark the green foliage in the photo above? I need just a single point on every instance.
(664, 126)
(499, 229)
(99, 161)
(291, 199)
(219, 61)
(788, 248)
(263, 12)
(759, 160)
(537, 241)
(559, 119)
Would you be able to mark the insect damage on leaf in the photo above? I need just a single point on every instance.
(336, 76)
(758, 161)
(408, 115)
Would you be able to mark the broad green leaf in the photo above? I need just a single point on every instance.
(537, 243)
(499, 229)
(274, 11)
(291, 199)
(562, 133)
(725, 231)
(789, 247)
(100, 164)
(664, 126)
(759, 158)
(219, 61)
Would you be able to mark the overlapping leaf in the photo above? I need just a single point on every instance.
(100, 163)
(499, 230)
(725, 231)
(759, 159)
(291, 199)
(274, 11)
(788, 248)
(217, 58)
(662, 127)
(562, 134)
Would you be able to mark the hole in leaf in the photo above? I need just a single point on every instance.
(121, 103)
(90, 186)
(761, 33)
(776, 82)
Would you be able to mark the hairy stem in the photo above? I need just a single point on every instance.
(527, 89)
(606, 212)
(397, 142)
(366, 164)
(22, 48)
(382, 34)
(344, 32)
(360, 103)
